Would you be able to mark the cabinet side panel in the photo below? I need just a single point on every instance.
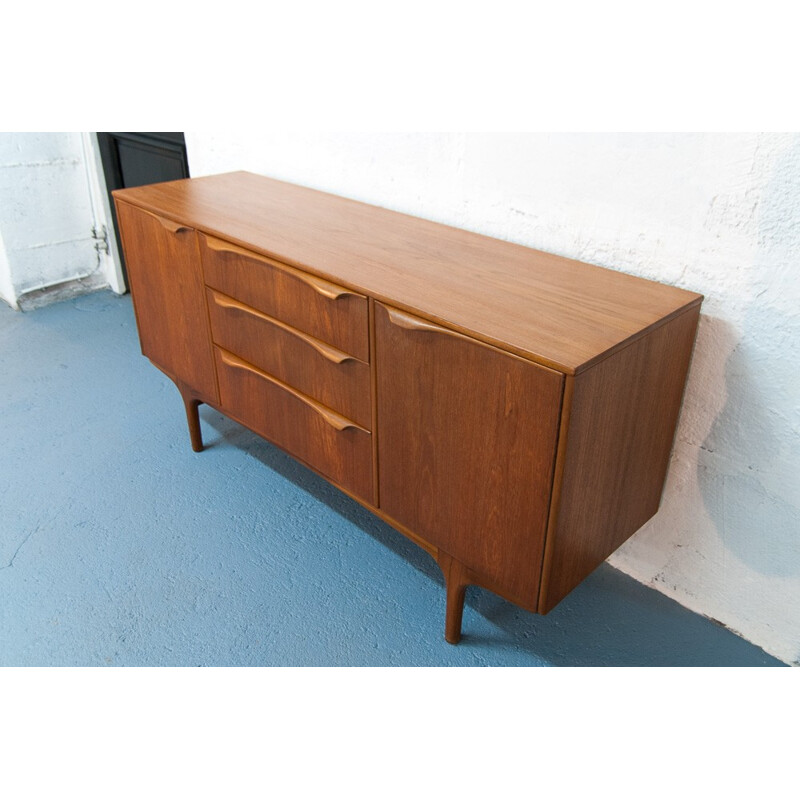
(169, 297)
(622, 422)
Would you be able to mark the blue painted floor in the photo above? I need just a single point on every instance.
(120, 546)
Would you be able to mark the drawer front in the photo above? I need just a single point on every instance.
(326, 311)
(333, 377)
(323, 439)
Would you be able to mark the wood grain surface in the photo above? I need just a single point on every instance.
(555, 310)
(169, 297)
(325, 310)
(336, 379)
(466, 446)
(622, 420)
(333, 445)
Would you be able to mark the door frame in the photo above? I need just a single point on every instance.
(107, 145)
(108, 242)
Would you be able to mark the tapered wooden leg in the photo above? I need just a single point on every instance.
(193, 418)
(456, 578)
(455, 611)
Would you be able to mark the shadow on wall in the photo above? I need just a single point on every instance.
(740, 479)
(751, 482)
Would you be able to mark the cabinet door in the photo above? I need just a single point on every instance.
(466, 446)
(165, 276)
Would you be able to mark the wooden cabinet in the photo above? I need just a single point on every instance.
(510, 411)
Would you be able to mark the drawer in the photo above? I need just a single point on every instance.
(326, 441)
(326, 311)
(338, 380)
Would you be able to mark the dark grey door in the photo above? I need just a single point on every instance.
(136, 159)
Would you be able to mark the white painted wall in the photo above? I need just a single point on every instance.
(49, 205)
(714, 213)
(6, 286)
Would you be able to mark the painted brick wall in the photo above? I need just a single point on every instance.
(715, 213)
(46, 214)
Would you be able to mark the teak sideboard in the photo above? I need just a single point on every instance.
(510, 411)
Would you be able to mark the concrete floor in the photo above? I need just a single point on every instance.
(120, 546)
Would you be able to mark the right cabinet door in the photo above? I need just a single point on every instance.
(467, 438)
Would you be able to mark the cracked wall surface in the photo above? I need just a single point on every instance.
(714, 213)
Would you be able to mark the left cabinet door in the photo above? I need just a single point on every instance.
(169, 299)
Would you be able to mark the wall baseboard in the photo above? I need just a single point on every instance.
(28, 301)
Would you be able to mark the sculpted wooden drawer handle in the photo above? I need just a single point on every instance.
(325, 350)
(410, 323)
(173, 227)
(333, 419)
(323, 287)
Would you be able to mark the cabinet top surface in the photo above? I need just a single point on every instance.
(555, 310)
